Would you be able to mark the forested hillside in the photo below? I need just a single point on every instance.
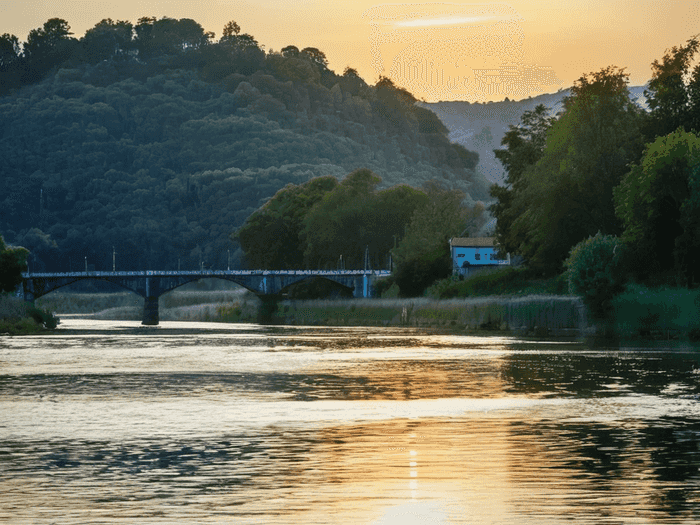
(156, 141)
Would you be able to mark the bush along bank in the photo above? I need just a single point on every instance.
(538, 315)
(657, 313)
(18, 317)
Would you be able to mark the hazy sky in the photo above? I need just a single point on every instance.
(439, 51)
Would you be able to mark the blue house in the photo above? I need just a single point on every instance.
(470, 254)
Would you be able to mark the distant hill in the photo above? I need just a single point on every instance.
(480, 127)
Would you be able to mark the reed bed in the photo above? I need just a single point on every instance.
(539, 314)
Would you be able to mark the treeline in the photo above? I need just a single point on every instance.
(155, 141)
(352, 224)
(605, 189)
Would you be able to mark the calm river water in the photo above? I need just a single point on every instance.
(208, 423)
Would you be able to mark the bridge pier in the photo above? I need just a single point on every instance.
(150, 311)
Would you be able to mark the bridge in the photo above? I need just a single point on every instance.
(152, 284)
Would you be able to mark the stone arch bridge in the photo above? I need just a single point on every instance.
(152, 284)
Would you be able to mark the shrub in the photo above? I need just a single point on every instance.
(501, 281)
(42, 317)
(594, 272)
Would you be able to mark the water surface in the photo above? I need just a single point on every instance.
(110, 422)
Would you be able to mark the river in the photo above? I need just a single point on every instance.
(113, 423)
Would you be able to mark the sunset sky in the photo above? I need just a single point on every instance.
(439, 51)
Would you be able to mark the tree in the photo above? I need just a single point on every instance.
(566, 195)
(657, 202)
(524, 146)
(107, 40)
(341, 222)
(674, 92)
(13, 261)
(315, 56)
(11, 60)
(231, 29)
(169, 36)
(290, 51)
(48, 47)
(423, 256)
(10, 51)
(271, 236)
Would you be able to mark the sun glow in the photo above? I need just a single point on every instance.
(446, 21)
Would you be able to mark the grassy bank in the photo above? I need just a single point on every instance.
(536, 315)
(18, 317)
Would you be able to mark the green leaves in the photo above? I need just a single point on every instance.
(595, 272)
(562, 172)
(13, 261)
(657, 202)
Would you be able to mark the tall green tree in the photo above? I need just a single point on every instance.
(674, 91)
(423, 256)
(107, 39)
(658, 202)
(13, 261)
(524, 146)
(567, 195)
(11, 61)
(271, 237)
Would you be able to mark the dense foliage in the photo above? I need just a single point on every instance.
(352, 224)
(13, 261)
(562, 190)
(595, 272)
(605, 165)
(154, 141)
(659, 204)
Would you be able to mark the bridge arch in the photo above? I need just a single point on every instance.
(152, 284)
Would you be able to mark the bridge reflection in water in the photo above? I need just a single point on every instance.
(267, 284)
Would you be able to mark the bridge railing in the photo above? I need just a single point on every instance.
(206, 273)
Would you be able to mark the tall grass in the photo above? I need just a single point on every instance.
(541, 314)
(642, 311)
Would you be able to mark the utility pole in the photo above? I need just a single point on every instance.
(114, 260)
(228, 255)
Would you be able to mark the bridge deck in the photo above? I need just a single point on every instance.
(211, 273)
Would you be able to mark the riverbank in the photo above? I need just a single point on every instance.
(639, 314)
(539, 315)
(18, 317)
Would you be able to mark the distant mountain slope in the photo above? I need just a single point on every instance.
(480, 127)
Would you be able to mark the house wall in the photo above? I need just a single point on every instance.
(475, 256)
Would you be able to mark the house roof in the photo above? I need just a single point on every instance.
(472, 241)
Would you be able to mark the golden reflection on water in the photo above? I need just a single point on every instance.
(414, 471)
